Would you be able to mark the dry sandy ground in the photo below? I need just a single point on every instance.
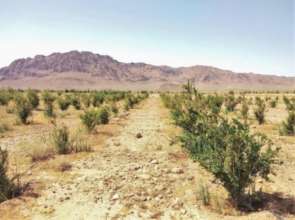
(132, 177)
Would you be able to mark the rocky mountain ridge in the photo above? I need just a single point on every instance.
(81, 70)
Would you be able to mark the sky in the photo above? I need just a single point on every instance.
(239, 35)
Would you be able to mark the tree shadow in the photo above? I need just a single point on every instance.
(276, 203)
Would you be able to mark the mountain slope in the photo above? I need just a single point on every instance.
(86, 70)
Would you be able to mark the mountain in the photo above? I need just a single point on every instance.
(86, 70)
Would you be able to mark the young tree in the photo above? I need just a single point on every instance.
(230, 102)
(226, 148)
(61, 140)
(33, 98)
(245, 110)
(63, 103)
(260, 110)
(8, 188)
(48, 100)
(288, 126)
(23, 108)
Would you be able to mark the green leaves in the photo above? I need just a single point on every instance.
(33, 98)
(226, 148)
(8, 187)
(94, 117)
(288, 126)
(259, 110)
(23, 108)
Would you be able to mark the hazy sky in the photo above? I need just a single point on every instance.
(241, 35)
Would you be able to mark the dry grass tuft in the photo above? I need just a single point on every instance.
(42, 154)
(64, 166)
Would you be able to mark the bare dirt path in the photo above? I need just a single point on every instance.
(132, 177)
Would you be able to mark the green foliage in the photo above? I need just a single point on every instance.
(132, 99)
(66, 143)
(102, 116)
(86, 100)
(94, 117)
(61, 140)
(4, 97)
(89, 119)
(288, 126)
(23, 108)
(79, 143)
(203, 194)
(76, 102)
(98, 99)
(245, 110)
(230, 102)
(290, 103)
(63, 103)
(8, 187)
(48, 99)
(114, 109)
(33, 98)
(273, 102)
(215, 103)
(226, 148)
(259, 110)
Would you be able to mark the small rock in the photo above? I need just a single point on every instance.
(190, 178)
(145, 176)
(177, 204)
(177, 170)
(138, 135)
(154, 162)
(115, 197)
(137, 167)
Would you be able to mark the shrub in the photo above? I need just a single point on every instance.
(288, 126)
(103, 116)
(4, 97)
(114, 109)
(231, 153)
(89, 119)
(130, 101)
(48, 99)
(215, 103)
(79, 143)
(76, 103)
(8, 187)
(273, 103)
(244, 110)
(290, 103)
(61, 141)
(230, 102)
(203, 194)
(259, 110)
(23, 108)
(41, 153)
(94, 117)
(226, 148)
(63, 103)
(86, 100)
(33, 98)
(97, 99)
